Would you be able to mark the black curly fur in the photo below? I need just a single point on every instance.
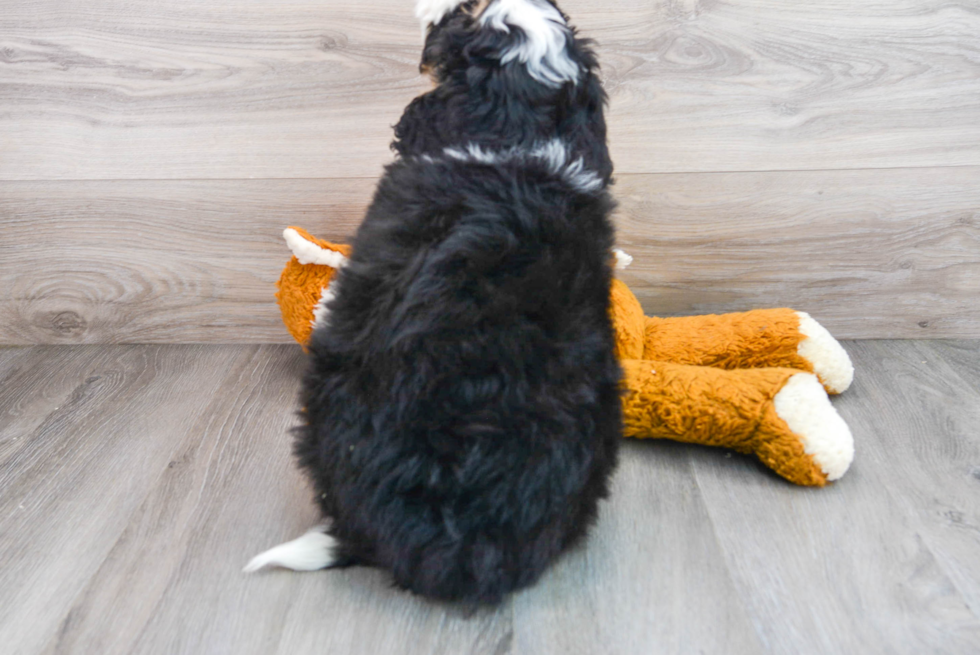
(461, 406)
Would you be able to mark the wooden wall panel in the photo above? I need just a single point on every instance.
(143, 90)
(875, 253)
(889, 253)
(755, 85)
(137, 89)
(156, 262)
(822, 155)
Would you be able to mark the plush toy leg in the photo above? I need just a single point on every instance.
(783, 416)
(304, 285)
(755, 339)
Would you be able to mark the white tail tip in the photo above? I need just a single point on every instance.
(311, 552)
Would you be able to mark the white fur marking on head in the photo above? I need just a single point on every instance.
(307, 252)
(430, 12)
(311, 552)
(828, 358)
(544, 49)
(805, 407)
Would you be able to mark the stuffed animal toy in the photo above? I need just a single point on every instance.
(755, 382)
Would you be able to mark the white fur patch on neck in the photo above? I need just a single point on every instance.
(474, 152)
(544, 50)
(321, 313)
(430, 12)
(554, 153)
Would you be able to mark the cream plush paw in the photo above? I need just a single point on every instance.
(803, 404)
(781, 415)
(825, 354)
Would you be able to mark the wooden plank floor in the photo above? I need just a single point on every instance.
(136, 480)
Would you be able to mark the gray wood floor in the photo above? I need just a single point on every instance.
(135, 481)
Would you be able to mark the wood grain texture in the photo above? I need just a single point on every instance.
(157, 262)
(879, 539)
(25, 404)
(70, 487)
(134, 89)
(250, 405)
(887, 253)
(934, 447)
(126, 517)
(651, 578)
(744, 85)
(871, 254)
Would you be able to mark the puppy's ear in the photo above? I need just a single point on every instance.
(431, 12)
(445, 40)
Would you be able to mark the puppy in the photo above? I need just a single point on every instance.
(461, 410)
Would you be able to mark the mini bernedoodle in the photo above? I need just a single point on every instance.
(461, 409)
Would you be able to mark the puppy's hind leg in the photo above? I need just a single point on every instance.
(313, 551)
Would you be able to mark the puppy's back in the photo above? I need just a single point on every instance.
(462, 408)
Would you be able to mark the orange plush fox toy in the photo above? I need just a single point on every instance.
(755, 382)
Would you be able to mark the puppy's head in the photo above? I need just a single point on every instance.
(441, 21)
(529, 33)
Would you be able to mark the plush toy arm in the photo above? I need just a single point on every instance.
(783, 416)
(755, 339)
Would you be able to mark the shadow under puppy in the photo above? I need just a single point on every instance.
(461, 409)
